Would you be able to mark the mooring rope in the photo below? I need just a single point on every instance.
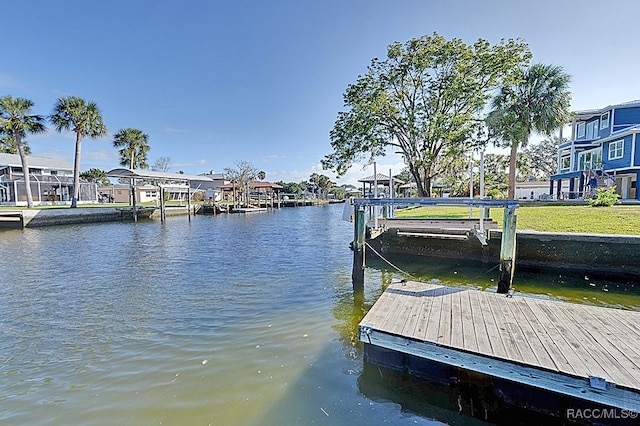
(416, 278)
(391, 264)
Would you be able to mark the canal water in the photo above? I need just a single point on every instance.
(224, 320)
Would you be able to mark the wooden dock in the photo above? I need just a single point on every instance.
(584, 352)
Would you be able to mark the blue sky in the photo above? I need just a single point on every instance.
(215, 82)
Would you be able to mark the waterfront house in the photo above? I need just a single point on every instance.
(211, 188)
(536, 189)
(51, 181)
(121, 193)
(256, 192)
(603, 151)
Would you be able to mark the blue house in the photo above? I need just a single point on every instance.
(604, 150)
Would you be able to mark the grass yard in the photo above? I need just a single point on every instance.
(619, 219)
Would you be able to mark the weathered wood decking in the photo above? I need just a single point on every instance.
(561, 347)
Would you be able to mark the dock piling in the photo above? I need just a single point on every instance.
(357, 274)
(507, 250)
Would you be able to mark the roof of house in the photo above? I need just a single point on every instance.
(13, 160)
(586, 113)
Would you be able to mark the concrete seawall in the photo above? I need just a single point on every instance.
(610, 256)
(52, 217)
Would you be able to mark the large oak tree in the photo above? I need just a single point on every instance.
(425, 101)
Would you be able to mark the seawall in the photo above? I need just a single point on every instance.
(611, 256)
(53, 217)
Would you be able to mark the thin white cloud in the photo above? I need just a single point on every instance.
(273, 157)
(170, 129)
(9, 82)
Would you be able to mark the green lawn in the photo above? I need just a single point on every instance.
(619, 219)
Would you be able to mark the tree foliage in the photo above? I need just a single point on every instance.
(424, 100)
(162, 164)
(96, 176)
(537, 101)
(84, 119)
(322, 182)
(241, 175)
(8, 145)
(290, 187)
(16, 121)
(542, 157)
(134, 147)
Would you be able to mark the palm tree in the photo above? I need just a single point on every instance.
(16, 121)
(83, 118)
(538, 101)
(133, 146)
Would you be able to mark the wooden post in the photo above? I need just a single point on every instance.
(189, 200)
(134, 209)
(357, 274)
(162, 205)
(507, 250)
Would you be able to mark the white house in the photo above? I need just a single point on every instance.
(51, 182)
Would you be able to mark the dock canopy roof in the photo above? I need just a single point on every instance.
(254, 184)
(154, 175)
(382, 179)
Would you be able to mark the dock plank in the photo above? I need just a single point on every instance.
(598, 363)
(498, 348)
(575, 364)
(468, 324)
(558, 361)
(614, 348)
(403, 309)
(507, 329)
(412, 323)
(622, 334)
(444, 330)
(420, 330)
(483, 342)
(536, 347)
(433, 323)
(457, 327)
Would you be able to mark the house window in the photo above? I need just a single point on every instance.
(604, 120)
(591, 159)
(565, 162)
(592, 129)
(580, 130)
(616, 149)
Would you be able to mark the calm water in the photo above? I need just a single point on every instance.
(227, 320)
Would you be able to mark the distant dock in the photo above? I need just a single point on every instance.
(558, 356)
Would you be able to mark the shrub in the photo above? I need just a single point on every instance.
(604, 197)
(495, 193)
